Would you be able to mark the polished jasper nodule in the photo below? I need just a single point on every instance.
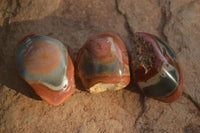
(102, 63)
(155, 68)
(45, 64)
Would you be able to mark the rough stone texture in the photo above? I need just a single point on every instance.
(183, 32)
(176, 21)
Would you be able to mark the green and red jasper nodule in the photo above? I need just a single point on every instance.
(103, 64)
(45, 64)
(155, 68)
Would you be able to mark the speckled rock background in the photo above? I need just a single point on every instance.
(124, 111)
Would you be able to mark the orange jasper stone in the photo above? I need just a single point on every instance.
(102, 63)
(44, 63)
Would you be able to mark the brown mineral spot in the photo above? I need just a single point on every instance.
(22, 109)
(86, 106)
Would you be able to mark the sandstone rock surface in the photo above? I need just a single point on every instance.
(175, 21)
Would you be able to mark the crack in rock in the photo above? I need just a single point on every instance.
(13, 13)
(143, 109)
(166, 17)
(192, 100)
(127, 25)
(6, 28)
